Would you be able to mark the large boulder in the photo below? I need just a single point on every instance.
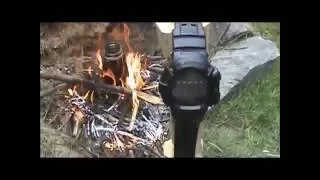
(237, 59)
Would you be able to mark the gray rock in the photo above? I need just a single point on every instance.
(214, 33)
(235, 61)
(222, 32)
(235, 30)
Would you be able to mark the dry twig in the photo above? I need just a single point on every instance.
(53, 90)
(46, 113)
(57, 114)
(67, 119)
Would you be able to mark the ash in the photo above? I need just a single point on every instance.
(103, 125)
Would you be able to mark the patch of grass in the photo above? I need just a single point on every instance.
(269, 31)
(250, 123)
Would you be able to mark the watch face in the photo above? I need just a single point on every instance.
(189, 87)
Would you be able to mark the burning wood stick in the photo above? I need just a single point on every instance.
(94, 86)
(79, 80)
(149, 98)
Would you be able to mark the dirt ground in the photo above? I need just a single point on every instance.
(60, 43)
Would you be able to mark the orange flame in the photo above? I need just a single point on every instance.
(122, 82)
(91, 98)
(89, 70)
(78, 115)
(86, 96)
(109, 73)
(99, 59)
(73, 92)
(70, 92)
(131, 69)
(134, 81)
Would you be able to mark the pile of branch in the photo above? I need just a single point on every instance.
(107, 125)
(103, 125)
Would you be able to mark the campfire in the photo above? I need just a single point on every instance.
(114, 100)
